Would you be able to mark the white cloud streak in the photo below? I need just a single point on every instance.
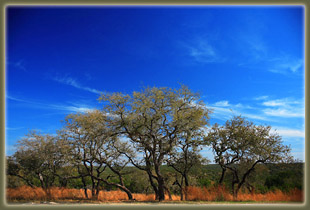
(287, 65)
(16, 99)
(225, 110)
(261, 98)
(285, 107)
(266, 110)
(288, 132)
(284, 112)
(72, 82)
(260, 56)
(68, 108)
(82, 109)
(222, 103)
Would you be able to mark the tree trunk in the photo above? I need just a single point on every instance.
(85, 192)
(127, 191)
(161, 189)
(235, 194)
(181, 193)
(153, 184)
(160, 181)
(44, 185)
(85, 187)
(121, 187)
(235, 181)
(180, 186)
(93, 193)
(186, 186)
(233, 190)
(169, 194)
(97, 189)
(222, 176)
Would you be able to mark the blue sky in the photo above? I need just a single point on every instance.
(242, 60)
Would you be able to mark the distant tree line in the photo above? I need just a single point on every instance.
(153, 137)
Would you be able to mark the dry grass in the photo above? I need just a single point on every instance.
(28, 193)
(210, 194)
(222, 194)
(194, 194)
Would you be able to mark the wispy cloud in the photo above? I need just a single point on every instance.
(19, 65)
(222, 103)
(273, 103)
(251, 45)
(73, 107)
(260, 56)
(256, 47)
(286, 65)
(224, 110)
(72, 82)
(282, 112)
(282, 102)
(285, 107)
(288, 132)
(260, 98)
(17, 128)
(202, 51)
(16, 99)
(267, 109)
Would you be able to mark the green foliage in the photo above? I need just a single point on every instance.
(240, 147)
(37, 159)
(204, 182)
(160, 132)
(14, 182)
(137, 180)
(286, 179)
(156, 121)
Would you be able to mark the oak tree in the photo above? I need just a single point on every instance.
(93, 150)
(240, 146)
(186, 155)
(153, 120)
(37, 156)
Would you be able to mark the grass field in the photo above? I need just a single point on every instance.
(218, 194)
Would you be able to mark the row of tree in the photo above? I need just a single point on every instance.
(148, 129)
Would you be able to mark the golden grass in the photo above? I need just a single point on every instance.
(208, 194)
(194, 194)
(222, 194)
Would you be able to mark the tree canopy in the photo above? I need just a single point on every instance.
(147, 130)
(239, 146)
(154, 120)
